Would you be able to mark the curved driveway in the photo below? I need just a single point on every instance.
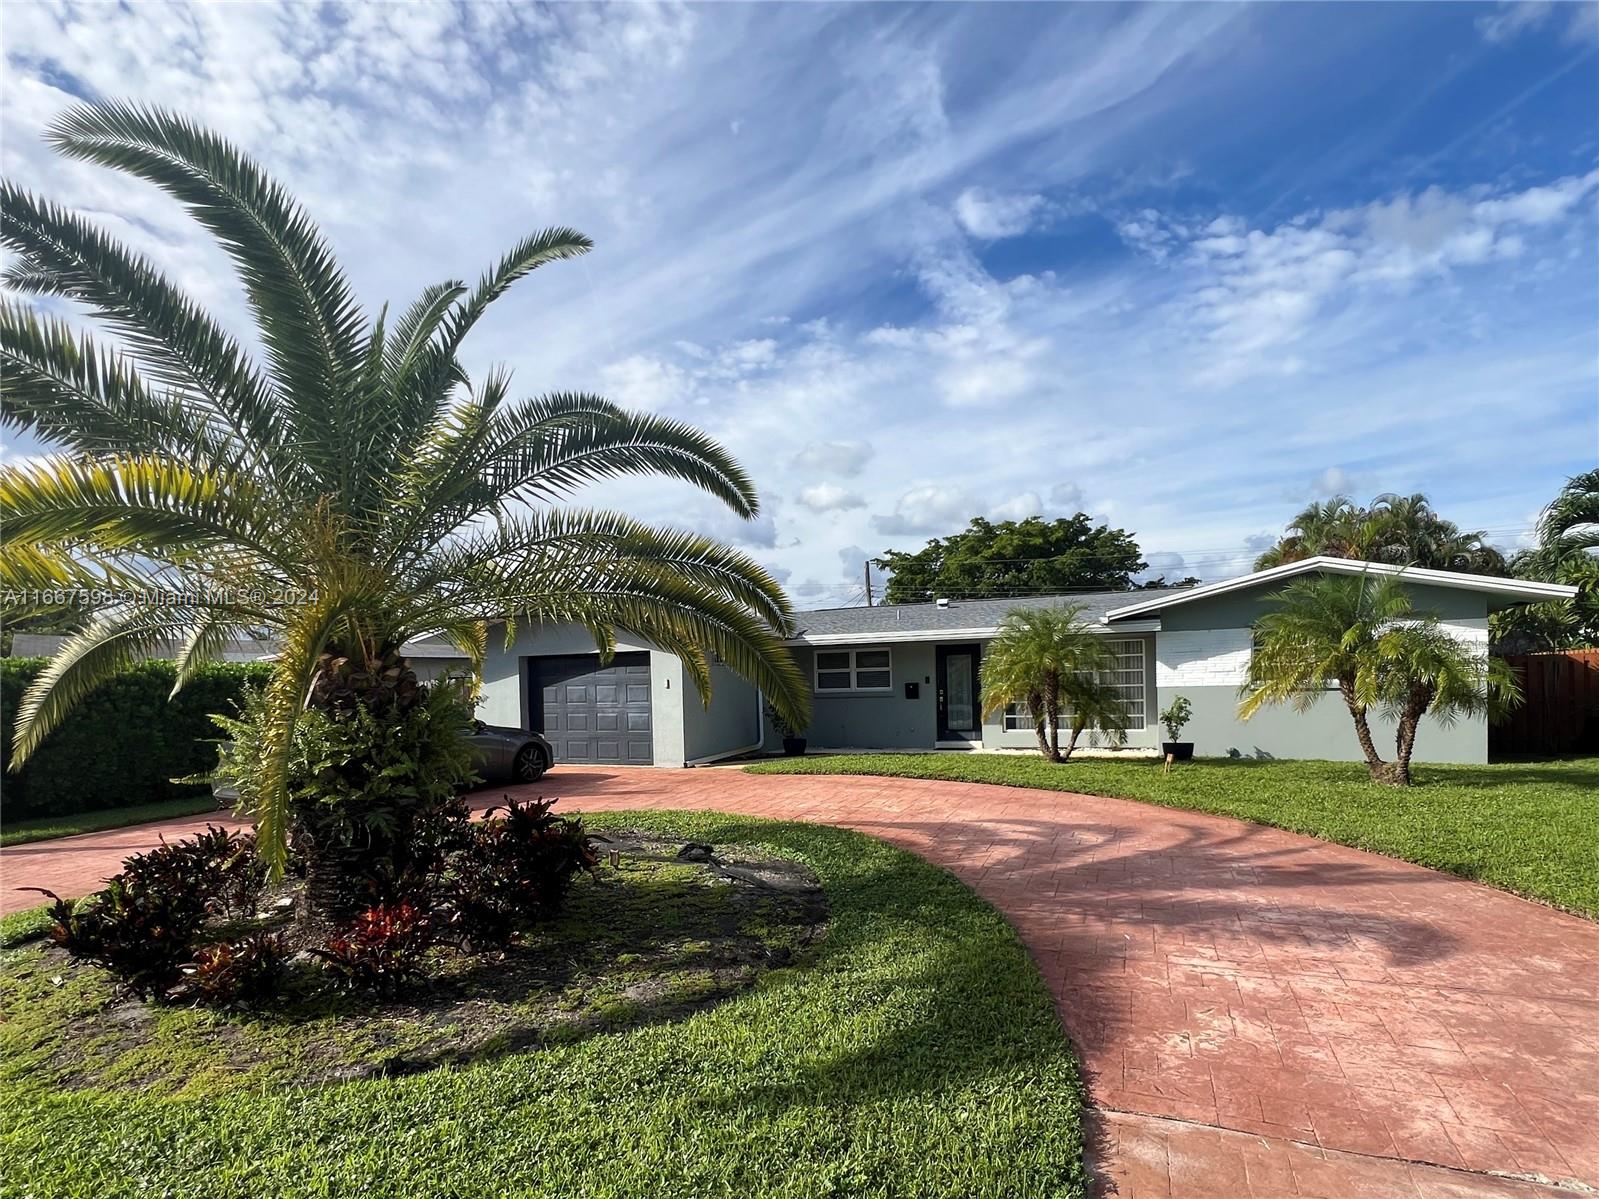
(1257, 1013)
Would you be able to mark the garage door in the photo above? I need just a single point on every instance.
(595, 713)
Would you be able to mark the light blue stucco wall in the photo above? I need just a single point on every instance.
(1326, 730)
(504, 695)
(731, 722)
(876, 720)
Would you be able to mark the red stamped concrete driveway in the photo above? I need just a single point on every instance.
(1257, 1013)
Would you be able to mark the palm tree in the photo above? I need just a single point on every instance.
(1407, 531)
(1365, 636)
(1050, 662)
(1337, 528)
(352, 490)
(1567, 552)
(1404, 530)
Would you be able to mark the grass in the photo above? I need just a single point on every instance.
(913, 1051)
(45, 828)
(1528, 827)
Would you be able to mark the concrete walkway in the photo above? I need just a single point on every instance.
(1257, 1013)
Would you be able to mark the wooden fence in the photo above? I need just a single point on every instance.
(1559, 713)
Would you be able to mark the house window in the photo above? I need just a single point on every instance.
(1127, 677)
(853, 670)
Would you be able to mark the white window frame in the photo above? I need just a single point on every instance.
(1019, 719)
(855, 669)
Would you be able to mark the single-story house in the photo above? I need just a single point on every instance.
(909, 677)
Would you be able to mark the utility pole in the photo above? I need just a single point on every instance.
(868, 568)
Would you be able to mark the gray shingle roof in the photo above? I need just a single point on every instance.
(959, 614)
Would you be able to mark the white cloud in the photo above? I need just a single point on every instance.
(1018, 507)
(1577, 20)
(1335, 480)
(643, 382)
(1251, 295)
(931, 509)
(829, 497)
(846, 458)
(1066, 497)
(990, 215)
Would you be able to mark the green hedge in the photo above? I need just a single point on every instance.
(122, 744)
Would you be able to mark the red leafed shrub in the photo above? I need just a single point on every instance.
(249, 969)
(382, 948)
(519, 865)
(218, 869)
(141, 933)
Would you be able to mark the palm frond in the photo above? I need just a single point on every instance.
(309, 321)
(178, 345)
(145, 504)
(89, 657)
(67, 390)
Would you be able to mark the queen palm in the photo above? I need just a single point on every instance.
(353, 489)
(1364, 636)
(1052, 664)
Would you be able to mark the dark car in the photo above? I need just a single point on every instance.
(502, 754)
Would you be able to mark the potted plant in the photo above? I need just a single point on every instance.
(1177, 714)
(793, 743)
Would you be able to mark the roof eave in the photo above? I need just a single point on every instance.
(1513, 591)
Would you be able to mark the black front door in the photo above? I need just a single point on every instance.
(958, 718)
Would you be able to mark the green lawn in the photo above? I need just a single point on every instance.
(1529, 827)
(914, 1051)
(43, 828)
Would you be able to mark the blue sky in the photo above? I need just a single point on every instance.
(1185, 267)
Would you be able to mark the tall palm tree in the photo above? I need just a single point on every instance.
(1365, 636)
(353, 489)
(1404, 530)
(1050, 662)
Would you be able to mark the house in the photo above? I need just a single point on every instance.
(909, 677)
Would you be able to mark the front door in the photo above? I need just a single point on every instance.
(958, 718)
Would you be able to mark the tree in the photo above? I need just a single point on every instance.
(1402, 530)
(1050, 662)
(354, 489)
(1014, 557)
(1365, 636)
(1567, 552)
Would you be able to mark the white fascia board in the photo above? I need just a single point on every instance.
(1522, 590)
(990, 631)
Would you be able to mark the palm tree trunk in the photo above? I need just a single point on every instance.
(344, 868)
(1416, 703)
(1071, 742)
(1052, 705)
(1375, 766)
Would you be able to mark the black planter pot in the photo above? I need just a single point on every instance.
(795, 746)
(1180, 751)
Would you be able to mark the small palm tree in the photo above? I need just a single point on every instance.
(1364, 636)
(1048, 661)
(354, 489)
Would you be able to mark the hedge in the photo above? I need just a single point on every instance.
(123, 743)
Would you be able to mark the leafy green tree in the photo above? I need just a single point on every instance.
(1567, 552)
(353, 489)
(1052, 663)
(1014, 557)
(1365, 636)
(1402, 530)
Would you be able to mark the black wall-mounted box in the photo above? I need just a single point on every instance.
(912, 690)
